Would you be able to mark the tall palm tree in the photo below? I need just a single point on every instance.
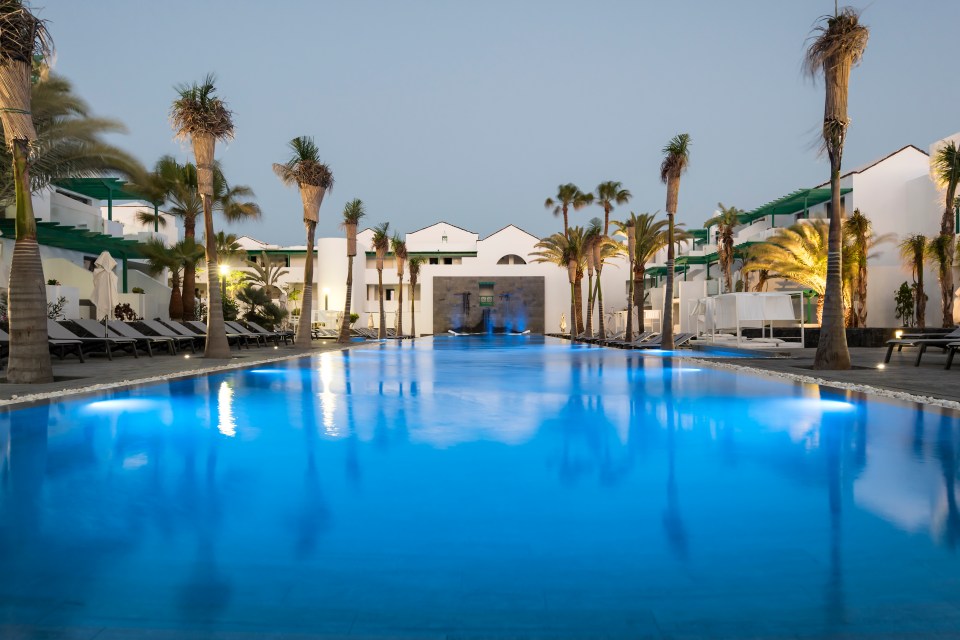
(939, 253)
(200, 115)
(568, 252)
(946, 165)
(651, 236)
(313, 178)
(913, 251)
(353, 211)
(415, 263)
(726, 221)
(675, 162)
(568, 195)
(591, 237)
(860, 232)
(400, 253)
(70, 140)
(161, 257)
(631, 232)
(836, 49)
(22, 36)
(608, 195)
(381, 244)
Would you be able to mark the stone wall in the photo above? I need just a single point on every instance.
(518, 304)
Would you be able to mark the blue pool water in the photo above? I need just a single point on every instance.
(488, 487)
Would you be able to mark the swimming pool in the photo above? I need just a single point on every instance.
(455, 487)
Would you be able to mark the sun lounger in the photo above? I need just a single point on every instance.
(127, 331)
(679, 340)
(238, 328)
(157, 328)
(60, 348)
(199, 327)
(96, 329)
(952, 349)
(922, 345)
(280, 335)
(639, 338)
(106, 344)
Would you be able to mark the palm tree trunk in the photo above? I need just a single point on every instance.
(217, 345)
(189, 275)
(400, 305)
(629, 335)
(566, 226)
(728, 267)
(29, 359)
(175, 309)
(413, 309)
(920, 301)
(345, 321)
(304, 327)
(832, 352)
(382, 332)
(589, 306)
(946, 279)
(666, 324)
(598, 296)
(639, 293)
(578, 297)
(862, 295)
(573, 305)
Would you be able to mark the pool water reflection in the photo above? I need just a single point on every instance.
(479, 486)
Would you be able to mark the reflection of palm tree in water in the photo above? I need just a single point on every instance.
(352, 466)
(831, 433)
(314, 516)
(947, 453)
(672, 518)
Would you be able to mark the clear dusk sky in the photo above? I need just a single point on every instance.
(474, 112)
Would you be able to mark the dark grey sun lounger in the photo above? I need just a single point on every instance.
(199, 327)
(95, 328)
(157, 328)
(276, 336)
(127, 331)
(106, 344)
(59, 348)
(922, 344)
(246, 333)
(679, 340)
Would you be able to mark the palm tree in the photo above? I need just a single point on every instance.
(381, 244)
(675, 162)
(591, 237)
(860, 232)
(568, 195)
(353, 211)
(939, 253)
(838, 46)
(946, 166)
(631, 232)
(568, 252)
(69, 141)
(203, 117)
(607, 195)
(23, 35)
(415, 262)
(228, 245)
(314, 178)
(161, 257)
(264, 275)
(726, 221)
(799, 253)
(400, 253)
(651, 236)
(913, 250)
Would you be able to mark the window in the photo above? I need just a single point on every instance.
(434, 260)
(448, 261)
(388, 294)
(443, 239)
(511, 259)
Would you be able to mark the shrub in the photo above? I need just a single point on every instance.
(54, 309)
(125, 312)
(53, 282)
(904, 299)
(137, 290)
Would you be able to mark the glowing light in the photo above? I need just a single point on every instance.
(328, 399)
(124, 405)
(269, 371)
(186, 356)
(881, 366)
(276, 347)
(898, 334)
(227, 426)
(224, 270)
(817, 404)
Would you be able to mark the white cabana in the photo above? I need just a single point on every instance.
(734, 311)
(104, 296)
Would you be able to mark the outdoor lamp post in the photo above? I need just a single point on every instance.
(224, 272)
(326, 298)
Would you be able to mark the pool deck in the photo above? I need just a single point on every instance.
(98, 372)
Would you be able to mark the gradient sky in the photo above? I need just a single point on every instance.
(474, 112)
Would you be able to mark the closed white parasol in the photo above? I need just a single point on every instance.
(104, 295)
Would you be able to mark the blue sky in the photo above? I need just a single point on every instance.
(474, 112)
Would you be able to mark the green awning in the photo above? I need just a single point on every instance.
(54, 234)
(101, 188)
(795, 202)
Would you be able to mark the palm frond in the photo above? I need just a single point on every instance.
(199, 111)
(353, 211)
